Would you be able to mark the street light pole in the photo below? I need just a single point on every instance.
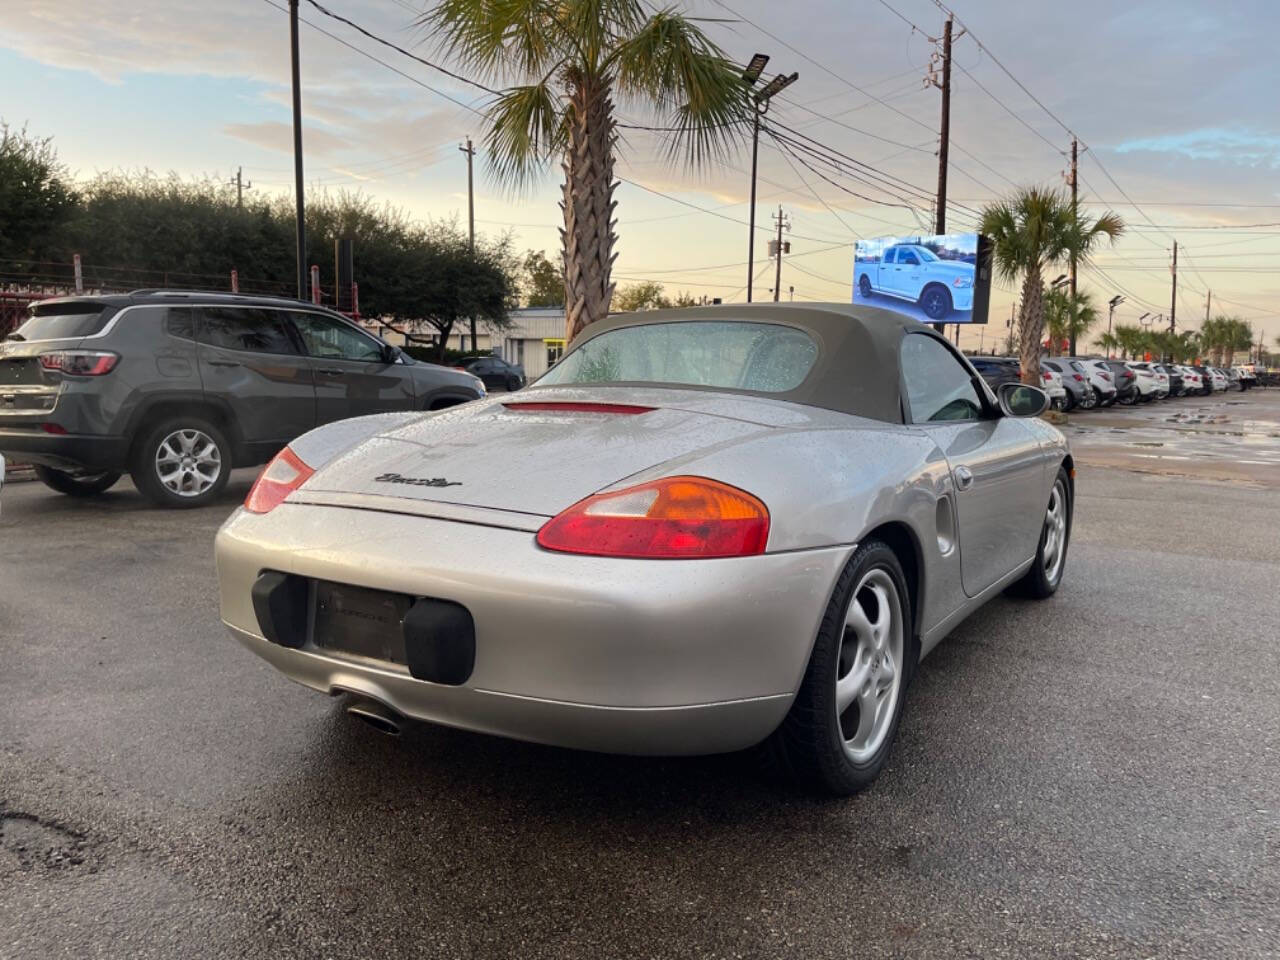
(751, 232)
(1111, 312)
(761, 98)
(297, 151)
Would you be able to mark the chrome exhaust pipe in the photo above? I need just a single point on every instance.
(377, 715)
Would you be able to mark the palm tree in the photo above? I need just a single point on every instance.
(559, 65)
(1130, 339)
(1108, 342)
(1035, 230)
(1066, 317)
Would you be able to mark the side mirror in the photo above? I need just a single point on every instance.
(389, 353)
(1022, 400)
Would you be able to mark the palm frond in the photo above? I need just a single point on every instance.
(503, 40)
(672, 66)
(527, 128)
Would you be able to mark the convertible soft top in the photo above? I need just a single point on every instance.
(858, 369)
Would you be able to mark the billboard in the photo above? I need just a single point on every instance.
(933, 279)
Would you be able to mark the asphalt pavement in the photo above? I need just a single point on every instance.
(1097, 775)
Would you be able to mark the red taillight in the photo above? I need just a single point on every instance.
(80, 363)
(283, 475)
(1046, 375)
(57, 429)
(1106, 377)
(571, 406)
(669, 519)
(1078, 377)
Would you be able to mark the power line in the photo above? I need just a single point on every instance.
(401, 50)
(370, 56)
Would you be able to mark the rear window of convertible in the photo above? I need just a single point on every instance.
(764, 357)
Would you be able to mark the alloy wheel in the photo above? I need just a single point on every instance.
(188, 462)
(870, 669)
(1055, 533)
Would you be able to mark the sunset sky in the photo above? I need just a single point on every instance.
(1174, 102)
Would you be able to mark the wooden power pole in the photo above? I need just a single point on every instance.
(944, 139)
(1173, 297)
(1075, 212)
(241, 186)
(779, 248)
(470, 151)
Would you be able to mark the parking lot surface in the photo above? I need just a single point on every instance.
(1095, 775)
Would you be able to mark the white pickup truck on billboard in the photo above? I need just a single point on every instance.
(935, 275)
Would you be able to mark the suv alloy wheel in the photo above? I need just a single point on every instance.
(183, 462)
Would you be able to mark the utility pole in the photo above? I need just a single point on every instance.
(779, 249)
(1075, 212)
(944, 140)
(471, 223)
(297, 151)
(1173, 297)
(1208, 299)
(241, 186)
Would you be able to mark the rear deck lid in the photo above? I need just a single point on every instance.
(536, 453)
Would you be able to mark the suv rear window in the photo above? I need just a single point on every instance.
(57, 321)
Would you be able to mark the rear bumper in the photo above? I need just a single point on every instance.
(626, 656)
(66, 452)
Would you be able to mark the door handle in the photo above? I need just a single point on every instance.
(224, 363)
(964, 478)
(330, 371)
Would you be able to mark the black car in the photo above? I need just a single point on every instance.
(1175, 378)
(1126, 382)
(178, 388)
(496, 373)
(997, 370)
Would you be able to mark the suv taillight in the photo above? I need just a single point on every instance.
(80, 363)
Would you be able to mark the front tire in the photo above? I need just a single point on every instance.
(75, 485)
(935, 301)
(183, 462)
(864, 287)
(841, 726)
(1042, 580)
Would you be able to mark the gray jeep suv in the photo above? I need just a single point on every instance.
(178, 388)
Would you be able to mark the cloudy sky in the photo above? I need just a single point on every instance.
(1174, 102)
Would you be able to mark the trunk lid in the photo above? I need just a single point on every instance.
(537, 461)
(25, 386)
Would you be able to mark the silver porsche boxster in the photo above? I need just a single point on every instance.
(702, 530)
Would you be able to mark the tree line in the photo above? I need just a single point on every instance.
(146, 230)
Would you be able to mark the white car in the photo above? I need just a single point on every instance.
(1220, 380)
(1191, 381)
(1159, 376)
(913, 272)
(1051, 380)
(1100, 378)
(1147, 382)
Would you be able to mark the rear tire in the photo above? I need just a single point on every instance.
(76, 485)
(183, 462)
(513, 384)
(1042, 580)
(864, 654)
(864, 287)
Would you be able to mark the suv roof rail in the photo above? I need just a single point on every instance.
(217, 295)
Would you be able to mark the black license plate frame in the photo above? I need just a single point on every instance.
(358, 621)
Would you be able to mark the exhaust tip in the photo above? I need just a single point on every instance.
(377, 715)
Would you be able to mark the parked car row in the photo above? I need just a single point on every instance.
(1089, 382)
